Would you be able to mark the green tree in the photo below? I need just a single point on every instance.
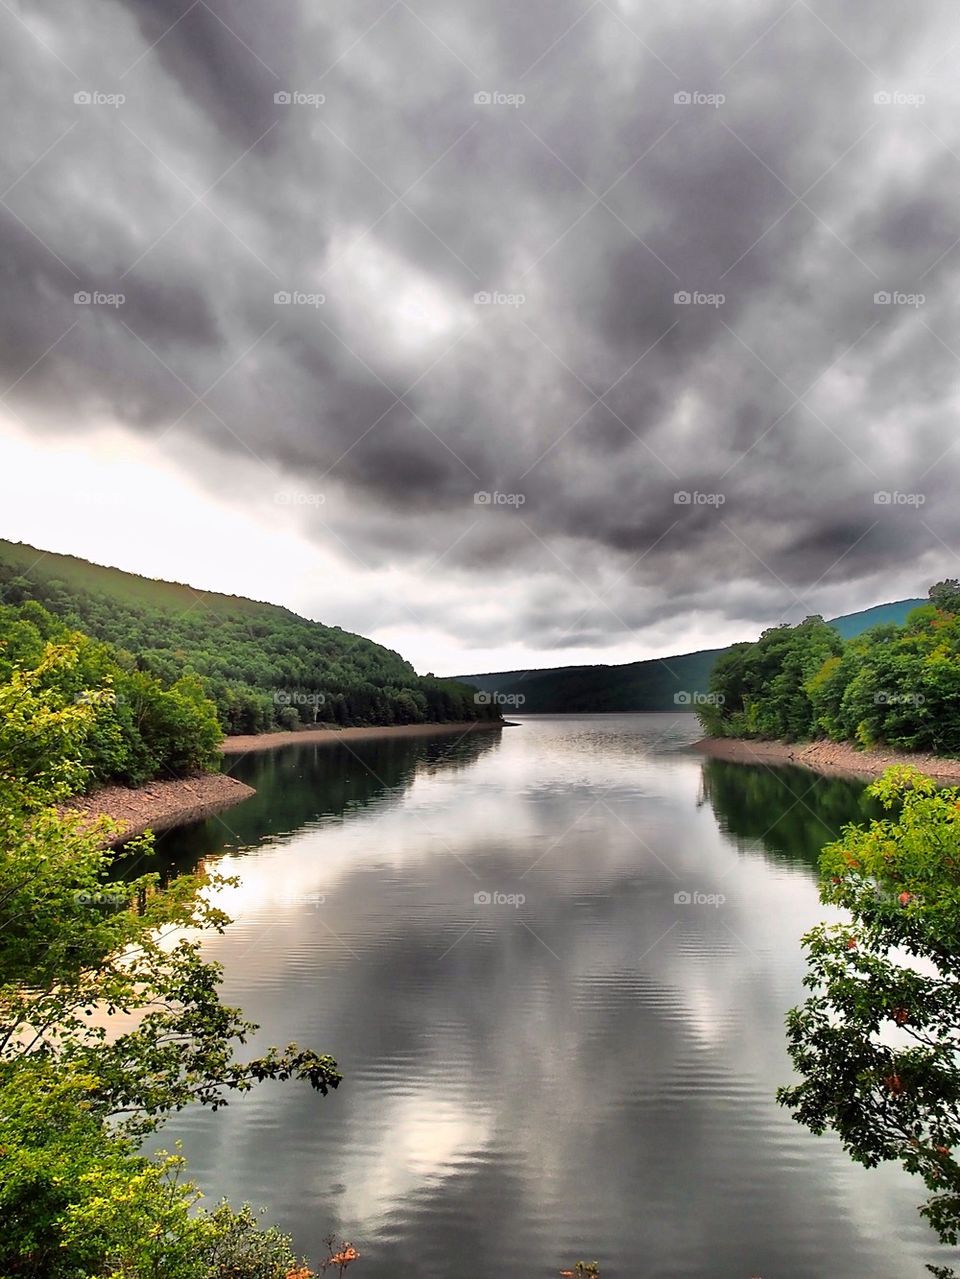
(760, 690)
(78, 948)
(945, 595)
(142, 729)
(877, 1043)
(896, 686)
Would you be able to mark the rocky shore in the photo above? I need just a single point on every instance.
(832, 758)
(158, 805)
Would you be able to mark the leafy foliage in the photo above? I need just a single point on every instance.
(945, 595)
(110, 1018)
(138, 728)
(877, 1043)
(241, 1249)
(262, 665)
(895, 686)
(760, 689)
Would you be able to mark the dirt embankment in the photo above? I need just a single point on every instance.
(159, 805)
(305, 736)
(832, 758)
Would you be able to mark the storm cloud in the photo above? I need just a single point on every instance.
(677, 288)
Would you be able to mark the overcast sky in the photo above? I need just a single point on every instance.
(354, 268)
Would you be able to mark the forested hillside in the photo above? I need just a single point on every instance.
(677, 682)
(134, 726)
(895, 686)
(654, 685)
(262, 665)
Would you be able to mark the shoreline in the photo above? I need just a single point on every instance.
(242, 743)
(832, 759)
(160, 805)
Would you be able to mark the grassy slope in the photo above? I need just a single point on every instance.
(642, 686)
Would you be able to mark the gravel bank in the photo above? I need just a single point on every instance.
(835, 758)
(159, 805)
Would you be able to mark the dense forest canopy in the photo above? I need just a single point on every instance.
(896, 686)
(263, 666)
(138, 726)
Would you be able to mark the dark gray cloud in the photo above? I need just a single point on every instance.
(599, 198)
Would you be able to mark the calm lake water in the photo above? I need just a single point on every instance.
(553, 964)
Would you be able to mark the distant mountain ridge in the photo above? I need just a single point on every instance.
(854, 623)
(671, 683)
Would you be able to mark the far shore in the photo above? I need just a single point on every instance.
(240, 744)
(838, 759)
(160, 805)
